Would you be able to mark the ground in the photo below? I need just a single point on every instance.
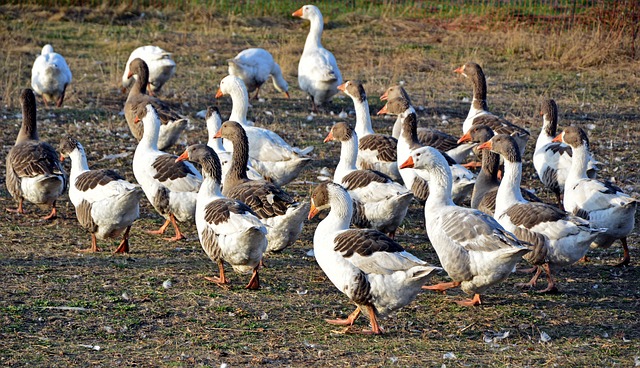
(153, 307)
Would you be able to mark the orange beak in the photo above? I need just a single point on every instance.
(384, 96)
(129, 75)
(136, 120)
(184, 156)
(486, 145)
(297, 13)
(286, 94)
(408, 163)
(465, 138)
(219, 93)
(460, 70)
(343, 86)
(313, 211)
(61, 157)
(558, 138)
(541, 113)
(329, 136)
(383, 110)
(218, 134)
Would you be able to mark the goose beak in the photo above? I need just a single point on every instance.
(61, 157)
(384, 96)
(329, 136)
(313, 211)
(219, 93)
(383, 110)
(460, 70)
(558, 138)
(465, 138)
(486, 145)
(129, 75)
(218, 134)
(343, 86)
(408, 163)
(297, 13)
(184, 156)
(136, 120)
(286, 94)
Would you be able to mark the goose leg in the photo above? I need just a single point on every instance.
(254, 283)
(219, 280)
(179, 235)
(124, 244)
(533, 280)
(162, 228)
(470, 302)
(255, 97)
(53, 214)
(472, 165)
(551, 285)
(626, 258)
(375, 328)
(314, 107)
(18, 210)
(345, 322)
(94, 245)
(443, 286)
(61, 98)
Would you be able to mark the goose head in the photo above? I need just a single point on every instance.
(573, 136)
(308, 12)
(504, 145)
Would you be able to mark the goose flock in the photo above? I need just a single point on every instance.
(242, 212)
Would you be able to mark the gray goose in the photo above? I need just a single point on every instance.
(479, 111)
(33, 169)
(172, 124)
(485, 189)
(106, 204)
(282, 215)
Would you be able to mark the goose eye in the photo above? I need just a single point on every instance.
(418, 154)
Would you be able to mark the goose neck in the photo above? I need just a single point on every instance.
(29, 128)
(509, 190)
(240, 105)
(440, 186)
(278, 80)
(239, 161)
(78, 162)
(339, 218)
(313, 41)
(579, 162)
(209, 189)
(151, 132)
(479, 92)
(348, 157)
(363, 117)
(212, 129)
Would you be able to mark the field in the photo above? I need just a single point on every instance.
(152, 307)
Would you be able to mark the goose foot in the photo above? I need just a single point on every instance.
(470, 302)
(94, 246)
(52, 215)
(443, 286)
(345, 322)
(124, 244)
(254, 283)
(626, 258)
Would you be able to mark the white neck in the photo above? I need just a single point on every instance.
(348, 157)
(278, 81)
(315, 33)
(78, 163)
(397, 128)
(240, 104)
(579, 163)
(363, 118)
(209, 190)
(404, 146)
(151, 132)
(509, 190)
(213, 125)
(544, 138)
(339, 218)
(440, 185)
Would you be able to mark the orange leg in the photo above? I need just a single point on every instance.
(219, 280)
(533, 280)
(551, 285)
(626, 258)
(53, 214)
(254, 283)
(18, 210)
(61, 98)
(470, 302)
(472, 164)
(345, 322)
(527, 270)
(161, 230)
(443, 286)
(392, 234)
(124, 244)
(179, 235)
(584, 259)
(94, 245)
(375, 328)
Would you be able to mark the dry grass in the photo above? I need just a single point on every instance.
(136, 321)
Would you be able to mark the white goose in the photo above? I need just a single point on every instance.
(444, 142)
(601, 202)
(479, 111)
(558, 238)
(33, 168)
(375, 151)
(472, 247)
(214, 122)
(374, 271)
(161, 67)
(552, 160)
(50, 76)
(318, 72)
(379, 202)
(282, 215)
(106, 204)
(228, 229)
(271, 155)
(254, 66)
(171, 187)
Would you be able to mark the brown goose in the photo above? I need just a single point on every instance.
(485, 190)
(172, 124)
(479, 111)
(106, 204)
(282, 215)
(33, 168)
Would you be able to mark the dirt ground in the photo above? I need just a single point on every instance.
(153, 307)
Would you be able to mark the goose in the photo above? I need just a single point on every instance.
(228, 229)
(214, 122)
(379, 202)
(601, 202)
(552, 160)
(485, 189)
(106, 204)
(479, 111)
(50, 76)
(374, 271)
(171, 187)
(472, 247)
(282, 215)
(270, 155)
(33, 169)
(161, 67)
(254, 66)
(558, 238)
(172, 124)
(463, 179)
(318, 73)
(444, 142)
(375, 151)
